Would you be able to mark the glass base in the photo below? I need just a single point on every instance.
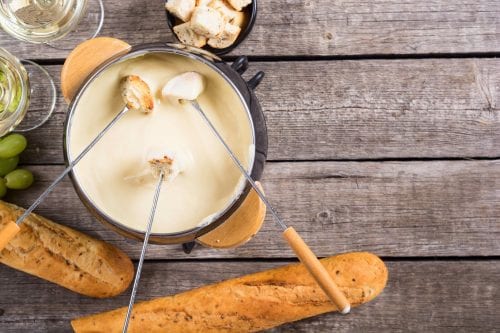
(42, 100)
(89, 27)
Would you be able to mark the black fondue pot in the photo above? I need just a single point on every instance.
(244, 89)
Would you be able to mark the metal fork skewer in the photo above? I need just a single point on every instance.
(70, 167)
(143, 253)
(238, 164)
(301, 249)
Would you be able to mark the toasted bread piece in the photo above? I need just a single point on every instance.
(181, 8)
(165, 164)
(207, 21)
(202, 2)
(227, 12)
(187, 36)
(239, 19)
(226, 38)
(239, 4)
(137, 94)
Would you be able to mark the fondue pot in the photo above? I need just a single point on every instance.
(92, 58)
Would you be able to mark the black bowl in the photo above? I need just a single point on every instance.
(250, 14)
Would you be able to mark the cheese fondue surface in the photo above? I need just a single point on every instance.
(115, 173)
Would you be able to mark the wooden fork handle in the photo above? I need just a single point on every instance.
(317, 270)
(8, 232)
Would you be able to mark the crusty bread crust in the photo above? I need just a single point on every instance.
(137, 94)
(239, 4)
(250, 303)
(64, 256)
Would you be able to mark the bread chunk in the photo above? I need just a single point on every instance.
(181, 8)
(207, 21)
(202, 2)
(227, 12)
(239, 19)
(239, 4)
(137, 94)
(65, 256)
(250, 303)
(226, 38)
(187, 36)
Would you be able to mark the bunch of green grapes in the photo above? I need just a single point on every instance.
(10, 176)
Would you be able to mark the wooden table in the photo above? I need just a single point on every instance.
(384, 136)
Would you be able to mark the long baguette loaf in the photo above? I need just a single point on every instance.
(65, 256)
(250, 303)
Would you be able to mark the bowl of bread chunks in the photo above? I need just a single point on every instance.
(217, 26)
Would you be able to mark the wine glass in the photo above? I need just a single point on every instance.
(27, 94)
(47, 21)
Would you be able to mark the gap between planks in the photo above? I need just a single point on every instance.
(361, 57)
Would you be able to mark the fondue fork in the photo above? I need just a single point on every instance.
(12, 228)
(187, 87)
(305, 254)
(137, 96)
(143, 252)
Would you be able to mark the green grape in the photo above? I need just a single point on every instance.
(3, 188)
(19, 179)
(8, 164)
(12, 145)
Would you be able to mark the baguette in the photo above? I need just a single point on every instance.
(250, 303)
(64, 256)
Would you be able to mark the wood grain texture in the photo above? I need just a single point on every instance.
(320, 27)
(428, 296)
(329, 110)
(394, 209)
(359, 110)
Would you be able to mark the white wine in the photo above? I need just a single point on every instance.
(40, 20)
(14, 92)
(10, 90)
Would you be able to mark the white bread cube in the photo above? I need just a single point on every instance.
(230, 15)
(207, 21)
(227, 12)
(187, 36)
(202, 2)
(239, 4)
(239, 19)
(181, 8)
(226, 38)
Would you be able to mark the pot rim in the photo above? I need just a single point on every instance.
(136, 51)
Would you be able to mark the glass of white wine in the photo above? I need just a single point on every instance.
(27, 94)
(46, 21)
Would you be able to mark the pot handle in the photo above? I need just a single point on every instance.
(188, 247)
(256, 80)
(84, 59)
(240, 227)
(240, 65)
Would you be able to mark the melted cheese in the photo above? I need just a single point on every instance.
(112, 174)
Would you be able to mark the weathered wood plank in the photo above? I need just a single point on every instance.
(360, 110)
(393, 209)
(420, 296)
(321, 27)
